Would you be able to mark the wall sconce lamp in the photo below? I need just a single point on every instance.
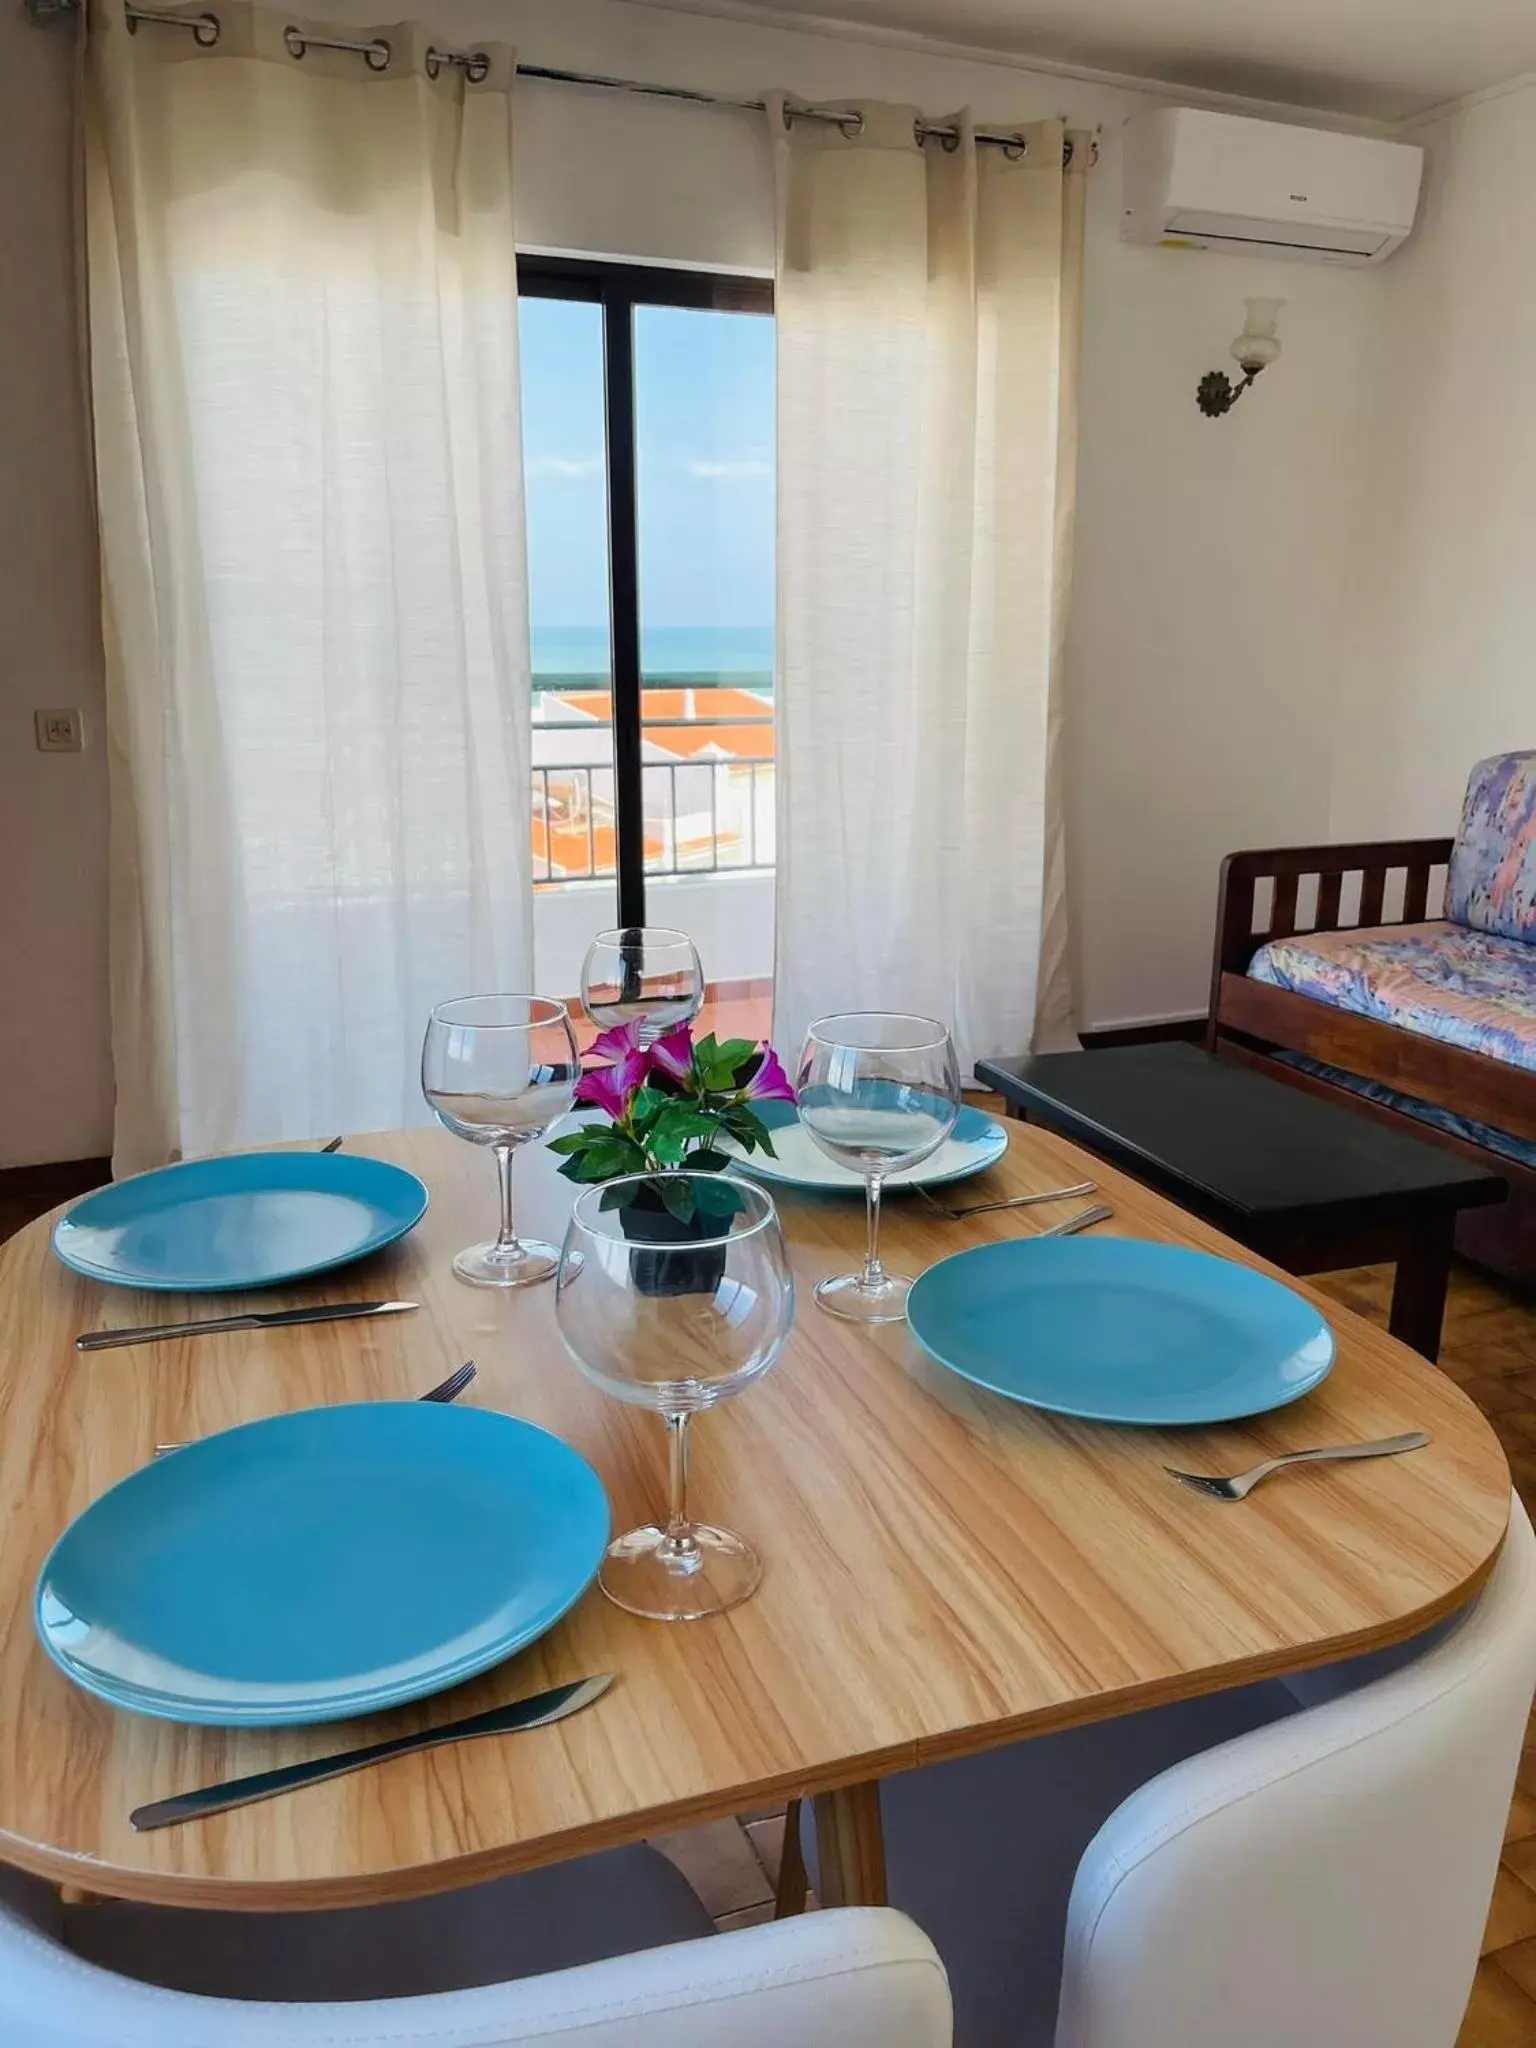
(1255, 348)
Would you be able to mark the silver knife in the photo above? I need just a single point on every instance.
(267, 1319)
(536, 1712)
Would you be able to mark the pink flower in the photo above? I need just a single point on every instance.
(768, 1081)
(674, 1054)
(611, 1089)
(617, 1042)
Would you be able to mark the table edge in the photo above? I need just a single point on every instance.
(480, 1866)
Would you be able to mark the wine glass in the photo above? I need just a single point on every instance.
(643, 973)
(499, 1070)
(877, 1091)
(675, 1292)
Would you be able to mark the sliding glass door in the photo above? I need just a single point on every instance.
(648, 429)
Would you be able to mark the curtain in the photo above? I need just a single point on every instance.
(927, 303)
(303, 326)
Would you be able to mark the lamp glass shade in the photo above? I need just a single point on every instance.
(1258, 345)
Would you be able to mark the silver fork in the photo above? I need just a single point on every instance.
(1083, 1220)
(1083, 1187)
(451, 1388)
(447, 1390)
(1241, 1484)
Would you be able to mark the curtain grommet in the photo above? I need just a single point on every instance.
(376, 55)
(475, 64)
(206, 28)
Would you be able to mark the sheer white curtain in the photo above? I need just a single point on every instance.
(927, 305)
(303, 314)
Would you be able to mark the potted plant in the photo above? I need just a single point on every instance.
(667, 1107)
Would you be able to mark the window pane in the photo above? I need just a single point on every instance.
(704, 433)
(565, 467)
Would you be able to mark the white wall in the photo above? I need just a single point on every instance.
(1204, 644)
(1442, 666)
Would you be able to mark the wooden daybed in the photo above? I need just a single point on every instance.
(1297, 889)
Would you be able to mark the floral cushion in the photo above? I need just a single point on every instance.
(1492, 880)
(1469, 988)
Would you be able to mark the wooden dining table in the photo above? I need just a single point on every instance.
(945, 1571)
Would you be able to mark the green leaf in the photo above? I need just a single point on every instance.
(674, 1130)
(574, 1141)
(679, 1197)
(720, 1198)
(648, 1102)
(706, 1050)
(608, 1159)
(708, 1160)
(748, 1129)
(698, 1123)
(735, 1053)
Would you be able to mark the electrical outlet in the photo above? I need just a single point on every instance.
(58, 732)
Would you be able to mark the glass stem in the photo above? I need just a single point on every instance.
(874, 1272)
(679, 1550)
(507, 1246)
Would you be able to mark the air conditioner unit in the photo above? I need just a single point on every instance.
(1195, 179)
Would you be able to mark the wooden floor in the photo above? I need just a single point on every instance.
(1490, 1350)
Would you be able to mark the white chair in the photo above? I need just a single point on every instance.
(1285, 1867)
(855, 1979)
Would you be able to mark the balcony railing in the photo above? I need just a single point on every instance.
(709, 815)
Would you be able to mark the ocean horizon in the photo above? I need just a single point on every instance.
(727, 654)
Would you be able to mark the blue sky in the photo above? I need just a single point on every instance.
(704, 386)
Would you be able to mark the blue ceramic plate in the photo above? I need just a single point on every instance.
(977, 1142)
(1117, 1330)
(246, 1219)
(322, 1564)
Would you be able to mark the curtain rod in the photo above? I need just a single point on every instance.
(849, 119)
(376, 53)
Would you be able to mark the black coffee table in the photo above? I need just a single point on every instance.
(1310, 1186)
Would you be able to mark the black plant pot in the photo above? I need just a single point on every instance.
(663, 1271)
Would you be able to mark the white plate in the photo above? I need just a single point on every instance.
(977, 1142)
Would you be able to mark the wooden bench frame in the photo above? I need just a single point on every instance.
(1251, 1021)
